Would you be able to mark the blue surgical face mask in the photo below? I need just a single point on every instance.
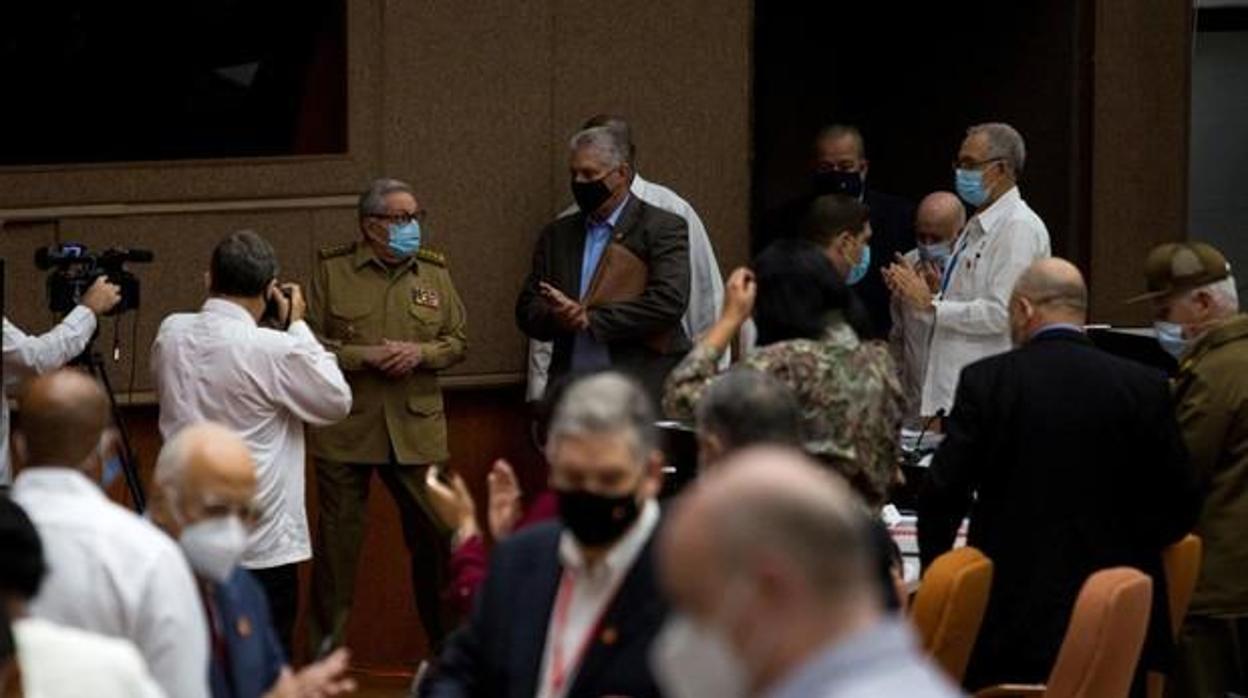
(1170, 337)
(404, 238)
(970, 186)
(937, 253)
(859, 270)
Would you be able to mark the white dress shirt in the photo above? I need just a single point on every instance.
(218, 365)
(584, 595)
(26, 355)
(908, 341)
(112, 572)
(972, 313)
(62, 662)
(706, 284)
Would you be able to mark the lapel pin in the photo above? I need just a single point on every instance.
(609, 636)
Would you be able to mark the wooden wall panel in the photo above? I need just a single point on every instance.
(174, 281)
(470, 85)
(1141, 86)
(26, 301)
(680, 72)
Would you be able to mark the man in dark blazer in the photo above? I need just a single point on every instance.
(634, 327)
(570, 608)
(1069, 461)
(839, 166)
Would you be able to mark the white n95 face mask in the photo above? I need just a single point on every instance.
(691, 660)
(214, 546)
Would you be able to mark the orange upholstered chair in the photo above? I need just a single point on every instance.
(1182, 565)
(949, 607)
(1103, 640)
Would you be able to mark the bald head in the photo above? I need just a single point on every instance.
(940, 217)
(1054, 281)
(63, 416)
(204, 464)
(768, 507)
(1050, 291)
(774, 552)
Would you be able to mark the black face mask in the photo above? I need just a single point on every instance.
(590, 195)
(597, 519)
(837, 182)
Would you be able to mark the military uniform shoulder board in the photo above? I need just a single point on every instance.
(431, 256)
(337, 250)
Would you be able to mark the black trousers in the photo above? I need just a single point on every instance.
(1212, 658)
(281, 586)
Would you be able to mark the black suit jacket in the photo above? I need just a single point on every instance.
(1078, 465)
(659, 238)
(498, 653)
(892, 233)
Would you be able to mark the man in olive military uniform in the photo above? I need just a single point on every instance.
(1197, 320)
(387, 309)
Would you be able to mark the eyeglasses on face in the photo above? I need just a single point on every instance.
(402, 217)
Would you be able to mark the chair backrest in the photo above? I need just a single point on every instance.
(949, 607)
(1104, 637)
(1182, 564)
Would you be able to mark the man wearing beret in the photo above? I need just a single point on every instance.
(1197, 319)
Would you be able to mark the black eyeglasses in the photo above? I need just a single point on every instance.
(403, 217)
(974, 164)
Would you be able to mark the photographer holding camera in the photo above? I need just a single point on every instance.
(27, 355)
(247, 360)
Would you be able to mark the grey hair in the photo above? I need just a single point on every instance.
(1224, 294)
(745, 407)
(605, 404)
(604, 139)
(623, 132)
(373, 200)
(1005, 142)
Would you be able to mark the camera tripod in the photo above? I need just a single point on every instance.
(91, 360)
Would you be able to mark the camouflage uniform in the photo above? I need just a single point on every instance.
(851, 400)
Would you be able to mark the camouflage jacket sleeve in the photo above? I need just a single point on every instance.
(883, 432)
(686, 382)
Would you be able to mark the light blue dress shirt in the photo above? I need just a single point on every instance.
(588, 354)
(881, 661)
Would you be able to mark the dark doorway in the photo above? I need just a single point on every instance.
(913, 77)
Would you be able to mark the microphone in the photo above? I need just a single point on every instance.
(915, 455)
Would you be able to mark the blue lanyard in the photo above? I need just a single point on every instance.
(953, 263)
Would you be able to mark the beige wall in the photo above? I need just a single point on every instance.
(471, 102)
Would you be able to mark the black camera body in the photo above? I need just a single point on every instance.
(74, 269)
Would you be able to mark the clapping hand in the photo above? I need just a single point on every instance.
(906, 283)
(505, 504)
(572, 316)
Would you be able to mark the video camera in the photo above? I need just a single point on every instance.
(74, 270)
